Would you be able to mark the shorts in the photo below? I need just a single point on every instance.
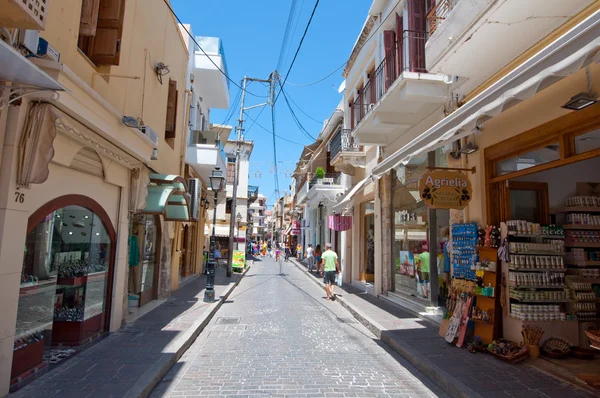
(317, 259)
(424, 276)
(329, 277)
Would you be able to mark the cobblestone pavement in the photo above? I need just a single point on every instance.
(278, 336)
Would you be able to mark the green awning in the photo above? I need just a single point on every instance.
(167, 195)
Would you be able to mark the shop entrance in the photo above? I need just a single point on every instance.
(64, 297)
(548, 194)
(367, 266)
(144, 255)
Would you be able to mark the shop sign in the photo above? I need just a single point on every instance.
(296, 230)
(406, 264)
(443, 189)
(340, 223)
(239, 259)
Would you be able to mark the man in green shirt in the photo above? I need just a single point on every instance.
(331, 267)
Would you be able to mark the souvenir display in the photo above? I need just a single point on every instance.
(464, 241)
(583, 201)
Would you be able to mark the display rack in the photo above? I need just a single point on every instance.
(492, 330)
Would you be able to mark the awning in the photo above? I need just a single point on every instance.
(220, 230)
(342, 205)
(20, 71)
(566, 55)
(167, 195)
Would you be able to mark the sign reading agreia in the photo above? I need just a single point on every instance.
(442, 189)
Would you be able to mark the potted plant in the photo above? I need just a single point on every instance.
(319, 174)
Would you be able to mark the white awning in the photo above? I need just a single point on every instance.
(220, 230)
(341, 206)
(15, 68)
(566, 55)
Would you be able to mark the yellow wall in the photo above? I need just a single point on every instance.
(150, 35)
(539, 109)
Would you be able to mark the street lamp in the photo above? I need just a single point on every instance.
(217, 184)
(238, 218)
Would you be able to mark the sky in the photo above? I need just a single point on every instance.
(252, 32)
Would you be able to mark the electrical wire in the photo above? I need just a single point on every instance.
(297, 50)
(274, 151)
(293, 35)
(301, 110)
(286, 34)
(204, 52)
(270, 132)
(295, 118)
(320, 80)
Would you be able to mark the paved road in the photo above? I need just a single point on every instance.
(278, 336)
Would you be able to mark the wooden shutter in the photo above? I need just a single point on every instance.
(89, 17)
(171, 123)
(416, 35)
(389, 40)
(399, 34)
(373, 88)
(352, 115)
(105, 48)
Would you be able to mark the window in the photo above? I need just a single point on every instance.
(533, 158)
(228, 206)
(587, 142)
(100, 30)
(171, 122)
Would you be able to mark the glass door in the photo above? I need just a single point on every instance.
(367, 267)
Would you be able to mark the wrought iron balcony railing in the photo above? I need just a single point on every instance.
(438, 11)
(407, 54)
(343, 141)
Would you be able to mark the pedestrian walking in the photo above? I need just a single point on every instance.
(299, 251)
(318, 254)
(331, 267)
(310, 257)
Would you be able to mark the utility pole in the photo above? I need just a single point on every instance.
(238, 150)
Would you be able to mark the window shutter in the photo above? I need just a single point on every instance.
(89, 17)
(171, 122)
(105, 48)
(416, 34)
(351, 114)
(372, 85)
(389, 40)
(399, 41)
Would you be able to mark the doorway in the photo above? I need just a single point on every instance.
(367, 267)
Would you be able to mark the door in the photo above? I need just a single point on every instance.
(367, 268)
(529, 201)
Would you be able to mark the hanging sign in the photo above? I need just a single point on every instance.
(442, 189)
(296, 230)
(340, 223)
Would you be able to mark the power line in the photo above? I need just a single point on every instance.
(301, 110)
(204, 52)
(320, 80)
(270, 132)
(286, 35)
(295, 118)
(297, 50)
(274, 149)
(293, 35)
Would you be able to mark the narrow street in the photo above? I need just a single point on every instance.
(278, 336)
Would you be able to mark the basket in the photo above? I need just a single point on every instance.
(556, 348)
(582, 353)
(515, 357)
(594, 337)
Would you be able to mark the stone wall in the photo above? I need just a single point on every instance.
(385, 193)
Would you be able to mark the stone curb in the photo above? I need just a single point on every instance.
(452, 386)
(175, 350)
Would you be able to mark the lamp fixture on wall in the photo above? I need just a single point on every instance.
(584, 99)
(161, 70)
(468, 149)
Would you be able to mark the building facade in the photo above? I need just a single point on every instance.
(94, 133)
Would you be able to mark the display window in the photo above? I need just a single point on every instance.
(367, 269)
(64, 296)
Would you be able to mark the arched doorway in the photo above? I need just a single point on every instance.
(66, 279)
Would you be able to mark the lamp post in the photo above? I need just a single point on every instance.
(217, 184)
(238, 218)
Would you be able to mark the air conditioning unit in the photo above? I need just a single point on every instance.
(23, 14)
(147, 130)
(193, 190)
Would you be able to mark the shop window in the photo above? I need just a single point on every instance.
(64, 283)
(100, 30)
(587, 142)
(367, 270)
(546, 154)
(171, 122)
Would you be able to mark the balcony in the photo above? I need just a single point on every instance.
(252, 193)
(210, 83)
(314, 189)
(346, 154)
(461, 31)
(399, 94)
(205, 152)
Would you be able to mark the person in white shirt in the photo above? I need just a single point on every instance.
(310, 257)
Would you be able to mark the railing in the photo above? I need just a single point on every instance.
(343, 141)
(252, 192)
(328, 179)
(438, 12)
(407, 54)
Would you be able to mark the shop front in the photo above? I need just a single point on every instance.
(64, 239)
